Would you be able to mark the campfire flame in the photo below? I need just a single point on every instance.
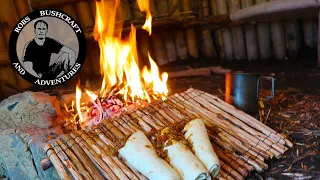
(119, 64)
(119, 57)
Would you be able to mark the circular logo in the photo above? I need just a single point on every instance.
(47, 47)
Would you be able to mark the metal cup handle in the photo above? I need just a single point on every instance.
(272, 88)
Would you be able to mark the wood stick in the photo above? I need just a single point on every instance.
(48, 148)
(131, 123)
(67, 162)
(228, 127)
(45, 164)
(230, 156)
(102, 136)
(148, 120)
(246, 118)
(75, 160)
(85, 160)
(230, 170)
(155, 116)
(141, 122)
(199, 72)
(105, 148)
(120, 126)
(168, 112)
(225, 175)
(104, 169)
(163, 114)
(238, 123)
(112, 128)
(105, 157)
(125, 125)
(232, 163)
(107, 132)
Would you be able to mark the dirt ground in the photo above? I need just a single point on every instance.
(295, 111)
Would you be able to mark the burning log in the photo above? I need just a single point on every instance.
(56, 162)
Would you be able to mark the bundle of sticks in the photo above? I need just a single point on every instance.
(242, 143)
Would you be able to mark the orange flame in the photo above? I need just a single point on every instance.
(119, 57)
(78, 98)
(144, 7)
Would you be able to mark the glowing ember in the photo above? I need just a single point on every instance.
(119, 68)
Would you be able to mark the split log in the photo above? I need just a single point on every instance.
(22, 7)
(250, 35)
(190, 33)
(293, 38)
(159, 49)
(125, 10)
(84, 13)
(226, 33)
(264, 39)
(144, 45)
(179, 38)
(48, 148)
(217, 34)
(238, 42)
(170, 45)
(209, 50)
(307, 32)
(137, 14)
(278, 40)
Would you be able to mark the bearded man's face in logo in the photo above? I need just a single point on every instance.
(41, 30)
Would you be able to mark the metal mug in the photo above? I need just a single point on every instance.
(242, 90)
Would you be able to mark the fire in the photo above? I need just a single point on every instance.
(144, 7)
(119, 57)
(119, 66)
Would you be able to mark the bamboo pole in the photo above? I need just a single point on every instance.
(226, 33)
(85, 160)
(105, 170)
(225, 175)
(67, 162)
(264, 39)
(238, 42)
(190, 33)
(48, 148)
(307, 32)
(75, 160)
(250, 35)
(293, 38)
(144, 48)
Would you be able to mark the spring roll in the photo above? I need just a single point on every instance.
(139, 153)
(185, 162)
(197, 136)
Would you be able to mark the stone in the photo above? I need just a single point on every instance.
(22, 150)
(28, 110)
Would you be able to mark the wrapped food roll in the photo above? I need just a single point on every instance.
(140, 154)
(185, 162)
(196, 134)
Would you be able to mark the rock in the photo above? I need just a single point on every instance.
(28, 110)
(22, 150)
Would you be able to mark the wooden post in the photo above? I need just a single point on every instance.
(264, 39)
(238, 44)
(250, 35)
(319, 40)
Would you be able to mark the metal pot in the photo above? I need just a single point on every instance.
(242, 90)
